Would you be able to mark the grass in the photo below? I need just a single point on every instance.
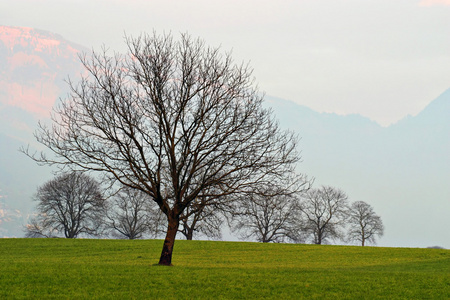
(121, 269)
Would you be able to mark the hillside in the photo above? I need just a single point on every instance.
(401, 170)
(124, 269)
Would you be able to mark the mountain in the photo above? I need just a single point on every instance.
(33, 66)
(401, 170)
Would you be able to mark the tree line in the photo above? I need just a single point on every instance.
(177, 132)
(73, 204)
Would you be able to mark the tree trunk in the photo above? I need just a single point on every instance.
(187, 231)
(189, 234)
(172, 229)
(319, 239)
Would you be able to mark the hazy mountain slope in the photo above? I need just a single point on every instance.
(33, 66)
(19, 178)
(420, 160)
(402, 170)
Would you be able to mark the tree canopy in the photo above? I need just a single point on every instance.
(70, 204)
(176, 120)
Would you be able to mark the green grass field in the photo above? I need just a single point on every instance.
(122, 269)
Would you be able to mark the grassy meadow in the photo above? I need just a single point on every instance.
(123, 269)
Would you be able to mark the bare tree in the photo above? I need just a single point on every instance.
(35, 229)
(173, 119)
(322, 214)
(130, 215)
(204, 216)
(265, 218)
(70, 204)
(364, 223)
(266, 214)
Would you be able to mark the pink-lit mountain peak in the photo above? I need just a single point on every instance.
(29, 38)
(33, 64)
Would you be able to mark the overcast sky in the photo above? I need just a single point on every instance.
(383, 59)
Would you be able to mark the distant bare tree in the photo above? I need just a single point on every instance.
(130, 215)
(173, 120)
(264, 218)
(204, 216)
(35, 229)
(364, 223)
(266, 214)
(322, 214)
(70, 204)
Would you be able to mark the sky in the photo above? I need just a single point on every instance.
(382, 59)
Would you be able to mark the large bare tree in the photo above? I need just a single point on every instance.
(70, 204)
(322, 214)
(170, 118)
(364, 223)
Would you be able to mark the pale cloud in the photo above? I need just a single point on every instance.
(434, 2)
